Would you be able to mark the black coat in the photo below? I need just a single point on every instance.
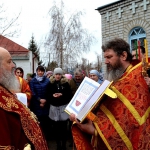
(61, 86)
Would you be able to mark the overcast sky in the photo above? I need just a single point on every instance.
(34, 19)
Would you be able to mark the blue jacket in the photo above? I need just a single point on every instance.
(39, 89)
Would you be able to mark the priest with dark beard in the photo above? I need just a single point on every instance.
(122, 123)
(19, 128)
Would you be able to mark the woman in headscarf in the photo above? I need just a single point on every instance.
(39, 103)
(95, 75)
(60, 94)
(49, 74)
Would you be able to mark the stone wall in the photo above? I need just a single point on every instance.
(120, 26)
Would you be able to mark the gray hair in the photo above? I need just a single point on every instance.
(119, 46)
(78, 72)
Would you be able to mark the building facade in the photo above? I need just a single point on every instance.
(127, 19)
(20, 55)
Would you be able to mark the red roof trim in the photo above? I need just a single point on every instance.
(11, 46)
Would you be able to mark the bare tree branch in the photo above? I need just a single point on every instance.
(8, 27)
(67, 39)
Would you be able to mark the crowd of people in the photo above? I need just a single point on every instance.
(121, 123)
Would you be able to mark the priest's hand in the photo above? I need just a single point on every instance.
(72, 117)
(87, 127)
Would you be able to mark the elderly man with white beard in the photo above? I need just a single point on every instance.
(123, 122)
(19, 128)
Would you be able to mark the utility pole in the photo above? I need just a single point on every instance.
(49, 57)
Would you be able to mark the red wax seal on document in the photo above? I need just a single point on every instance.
(77, 103)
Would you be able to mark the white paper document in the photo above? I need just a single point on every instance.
(87, 97)
(22, 98)
(94, 99)
(85, 91)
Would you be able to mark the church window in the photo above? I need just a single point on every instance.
(136, 34)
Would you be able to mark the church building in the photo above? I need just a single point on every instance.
(127, 19)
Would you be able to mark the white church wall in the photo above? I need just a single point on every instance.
(25, 65)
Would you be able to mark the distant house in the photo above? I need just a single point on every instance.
(20, 55)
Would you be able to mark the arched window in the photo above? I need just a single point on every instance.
(136, 34)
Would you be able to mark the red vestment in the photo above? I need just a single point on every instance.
(25, 88)
(18, 126)
(123, 123)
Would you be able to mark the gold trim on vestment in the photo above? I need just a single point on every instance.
(27, 118)
(28, 93)
(102, 136)
(140, 119)
(9, 102)
(130, 69)
(131, 108)
(7, 147)
(20, 80)
(117, 127)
